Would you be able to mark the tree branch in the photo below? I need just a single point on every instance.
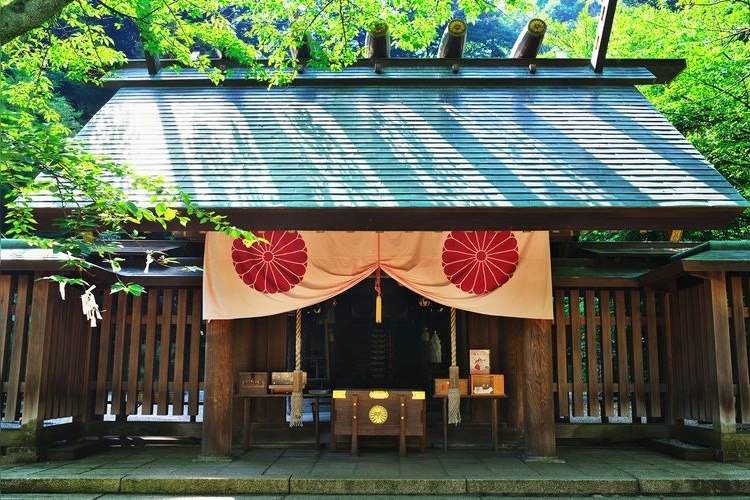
(20, 16)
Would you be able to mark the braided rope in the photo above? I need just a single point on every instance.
(453, 336)
(295, 419)
(454, 396)
(298, 341)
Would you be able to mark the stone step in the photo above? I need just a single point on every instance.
(682, 450)
(75, 449)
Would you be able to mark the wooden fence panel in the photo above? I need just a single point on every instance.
(698, 303)
(576, 353)
(178, 388)
(6, 326)
(623, 380)
(616, 353)
(652, 343)
(194, 372)
(561, 335)
(150, 354)
(17, 363)
(165, 348)
(682, 337)
(118, 359)
(60, 350)
(592, 365)
(637, 346)
(134, 355)
(155, 354)
(102, 372)
(608, 381)
(66, 367)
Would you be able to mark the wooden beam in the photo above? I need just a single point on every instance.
(529, 41)
(450, 218)
(603, 31)
(719, 354)
(539, 415)
(453, 40)
(217, 401)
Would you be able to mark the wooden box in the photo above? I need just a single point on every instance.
(443, 384)
(282, 381)
(250, 383)
(487, 384)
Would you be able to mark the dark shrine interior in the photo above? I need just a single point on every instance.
(343, 347)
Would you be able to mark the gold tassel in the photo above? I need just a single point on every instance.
(378, 309)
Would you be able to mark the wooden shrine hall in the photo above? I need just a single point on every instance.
(384, 166)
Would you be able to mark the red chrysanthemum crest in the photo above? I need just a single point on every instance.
(272, 267)
(480, 261)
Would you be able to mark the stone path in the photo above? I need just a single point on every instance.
(286, 473)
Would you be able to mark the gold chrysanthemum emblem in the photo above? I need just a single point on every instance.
(378, 414)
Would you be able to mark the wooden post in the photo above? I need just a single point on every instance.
(33, 405)
(539, 416)
(719, 353)
(217, 401)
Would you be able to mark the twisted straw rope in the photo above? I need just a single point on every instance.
(298, 341)
(453, 336)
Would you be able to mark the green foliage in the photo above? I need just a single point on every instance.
(710, 101)
(39, 161)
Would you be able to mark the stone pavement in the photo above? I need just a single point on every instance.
(161, 471)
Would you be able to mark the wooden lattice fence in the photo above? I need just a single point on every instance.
(609, 353)
(150, 354)
(44, 350)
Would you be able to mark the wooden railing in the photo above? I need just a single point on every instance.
(15, 297)
(609, 353)
(150, 354)
(44, 350)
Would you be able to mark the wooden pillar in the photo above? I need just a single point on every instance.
(539, 415)
(719, 353)
(217, 399)
(37, 355)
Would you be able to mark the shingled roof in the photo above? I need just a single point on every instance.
(396, 153)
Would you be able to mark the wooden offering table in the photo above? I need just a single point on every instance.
(246, 411)
(493, 423)
(379, 413)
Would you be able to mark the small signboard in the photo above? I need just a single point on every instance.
(251, 383)
(479, 361)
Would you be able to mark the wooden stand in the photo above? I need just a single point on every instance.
(379, 413)
(491, 397)
(246, 413)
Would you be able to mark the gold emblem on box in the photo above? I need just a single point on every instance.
(378, 414)
(339, 394)
(378, 394)
(417, 395)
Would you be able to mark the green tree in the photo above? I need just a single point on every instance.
(709, 102)
(43, 41)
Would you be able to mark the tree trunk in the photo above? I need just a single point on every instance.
(20, 16)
